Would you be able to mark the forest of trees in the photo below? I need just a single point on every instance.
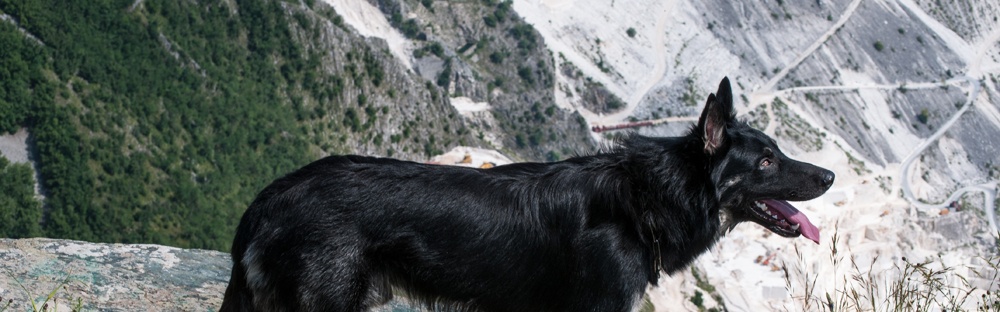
(135, 140)
(18, 203)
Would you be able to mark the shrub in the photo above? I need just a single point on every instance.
(444, 78)
(526, 75)
(698, 300)
(436, 49)
(410, 28)
(923, 116)
(497, 57)
(490, 21)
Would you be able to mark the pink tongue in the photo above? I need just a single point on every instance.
(794, 217)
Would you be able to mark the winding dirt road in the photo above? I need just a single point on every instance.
(988, 189)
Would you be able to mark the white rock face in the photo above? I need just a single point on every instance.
(465, 156)
(14, 146)
(370, 22)
(876, 80)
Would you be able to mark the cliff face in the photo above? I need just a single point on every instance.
(383, 108)
(483, 52)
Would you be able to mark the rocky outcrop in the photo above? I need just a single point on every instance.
(110, 277)
(71, 275)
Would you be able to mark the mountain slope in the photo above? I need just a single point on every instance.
(157, 122)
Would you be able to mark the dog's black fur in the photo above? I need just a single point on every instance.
(584, 234)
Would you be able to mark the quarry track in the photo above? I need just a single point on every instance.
(988, 189)
(812, 48)
(659, 68)
(656, 74)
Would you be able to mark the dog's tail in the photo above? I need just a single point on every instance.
(238, 297)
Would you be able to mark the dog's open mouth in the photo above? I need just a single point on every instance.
(780, 217)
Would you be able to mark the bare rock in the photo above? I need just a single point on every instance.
(111, 277)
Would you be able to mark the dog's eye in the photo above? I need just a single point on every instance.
(765, 163)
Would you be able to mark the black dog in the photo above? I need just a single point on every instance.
(585, 234)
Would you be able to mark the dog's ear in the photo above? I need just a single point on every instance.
(717, 115)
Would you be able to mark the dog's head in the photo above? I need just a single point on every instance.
(754, 180)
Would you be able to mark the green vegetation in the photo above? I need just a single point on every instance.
(408, 27)
(433, 48)
(758, 117)
(698, 300)
(444, 78)
(615, 103)
(703, 285)
(924, 116)
(856, 164)
(20, 64)
(647, 305)
(701, 282)
(813, 98)
(160, 124)
(790, 125)
(690, 96)
(500, 13)
(20, 212)
(145, 148)
(490, 21)
(630, 32)
(75, 305)
(525, 36)
(879, 46)
(497, 57)
(526, 75)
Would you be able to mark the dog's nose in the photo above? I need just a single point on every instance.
(826, 178)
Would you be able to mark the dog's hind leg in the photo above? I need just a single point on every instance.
(340, 281)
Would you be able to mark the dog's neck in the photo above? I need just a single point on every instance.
(686, 220)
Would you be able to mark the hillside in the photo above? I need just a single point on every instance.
(156, 122)
(899, 98)
(483, 54)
